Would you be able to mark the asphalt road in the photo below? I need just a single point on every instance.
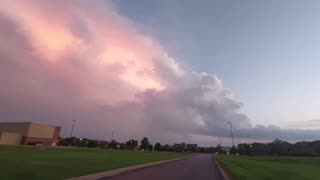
(198, 167)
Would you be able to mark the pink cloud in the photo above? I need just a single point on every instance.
(81, 60)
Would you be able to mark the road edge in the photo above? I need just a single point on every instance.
(114, 172)
(222, 171)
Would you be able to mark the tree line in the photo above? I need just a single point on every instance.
(135, 145)
(274, 148)
(280, 148)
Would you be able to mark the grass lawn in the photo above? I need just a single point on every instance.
(271, 168)
(21, 162)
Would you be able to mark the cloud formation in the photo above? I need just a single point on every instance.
(80, 60)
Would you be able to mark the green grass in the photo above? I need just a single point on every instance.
(271, 168)
(21, 162)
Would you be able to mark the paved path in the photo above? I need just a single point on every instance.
(199, 167)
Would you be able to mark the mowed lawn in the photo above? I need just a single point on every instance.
(271, 168)
(20, 162)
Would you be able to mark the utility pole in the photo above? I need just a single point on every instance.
(231, 132)
(63, 130)
(219, 140)
(73, 123)
(112, 133)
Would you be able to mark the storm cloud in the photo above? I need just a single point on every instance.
(61, 61)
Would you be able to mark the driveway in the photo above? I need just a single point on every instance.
(198, 167)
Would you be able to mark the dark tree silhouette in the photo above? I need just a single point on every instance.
(132, 144)
(150, 147)
(233, 150)
(157, 147)
(144, 143)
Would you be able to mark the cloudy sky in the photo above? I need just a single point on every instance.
(170, 70)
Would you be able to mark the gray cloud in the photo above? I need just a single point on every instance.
(77, 86)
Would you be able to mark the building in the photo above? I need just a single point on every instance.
(192, 147)
(176, 145)
(183, 145)
(29, 133)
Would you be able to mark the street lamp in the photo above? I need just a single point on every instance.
(112, 133)
(231, 132)
(73, 122)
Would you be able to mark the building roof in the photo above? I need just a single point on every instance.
(28, 122)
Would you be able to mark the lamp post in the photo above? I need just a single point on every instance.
(73, 122)
(231, 132)
(112, 134)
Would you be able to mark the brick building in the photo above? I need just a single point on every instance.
(29, 133)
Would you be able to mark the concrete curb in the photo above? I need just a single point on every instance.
(222, 171)
(122, 170)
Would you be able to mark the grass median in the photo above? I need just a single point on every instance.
(271, 168)
(21, 162)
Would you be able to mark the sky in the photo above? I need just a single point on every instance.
(174, 71)
(266, 52)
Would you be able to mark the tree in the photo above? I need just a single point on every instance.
(233, 150)
(93, 144)
(157, 147)
(144, 143)
(260, 149)
(123, 146)
(218, 149)
(132, 144)
(103, 144)
(279, 147)
(245, 149)
(166, 147)
(304, 149)
(113, 144)
(150, 147)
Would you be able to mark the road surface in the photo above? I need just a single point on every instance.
(198, 167)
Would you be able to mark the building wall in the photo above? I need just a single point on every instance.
(31, 133)
(56, 134)
(10, 138)
(41, 131)
(20, 128)
(38, 141)
(37, 136)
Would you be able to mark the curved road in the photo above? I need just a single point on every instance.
(198, 167)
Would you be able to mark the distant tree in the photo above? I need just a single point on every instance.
(279, 147)
(103, 144)
(70, 141)
(218, 149)
(304, 149)
(150, 147)
(123, 146)
(201, 150)
(132, 144)
(233, 150)
(166, 147)
(113, 144)
(177, 147)
(245, 149)
(210, 149)
(316, 145)
(157, 147)
(144, 143)
(260, 149)
(93, 144)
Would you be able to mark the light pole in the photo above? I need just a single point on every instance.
(112, 133)
(231, 133)
(73, 122)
